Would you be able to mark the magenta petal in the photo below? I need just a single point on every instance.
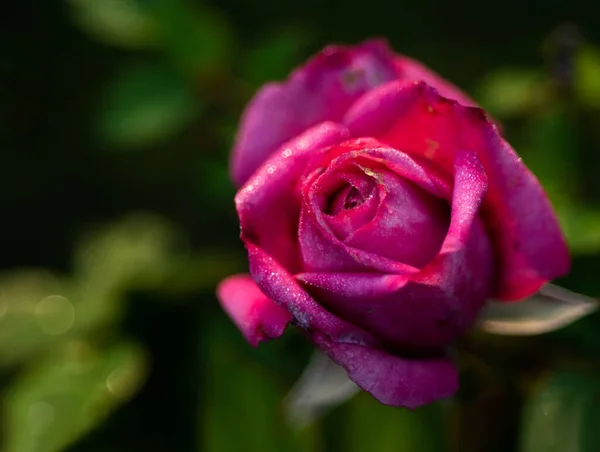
(519, 218)
(280, 286)
(323, 251)
(412, 70)
(257, 317)
(391, 379)
(410, 224)
(321, 90)
(427, 310)
(268, 204)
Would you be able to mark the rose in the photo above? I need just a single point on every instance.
(379, 215)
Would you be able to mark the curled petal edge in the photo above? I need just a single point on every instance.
(258, 318)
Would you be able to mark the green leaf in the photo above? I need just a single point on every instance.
(549, 309)
(122, 23)
(59, 400)
(146, 104)
(39, 311)
(563, 415)
(196, 37)
(137, 251)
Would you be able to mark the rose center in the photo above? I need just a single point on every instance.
(377, 211)
(353, 199)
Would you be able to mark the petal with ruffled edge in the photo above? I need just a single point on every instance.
(321, 90)
(391, 379)
(414, 118)
(412, 70)
(425, 311)
(257, 317)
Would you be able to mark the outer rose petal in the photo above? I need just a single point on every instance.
(391, 379)
(412, 70)
(321, 90)
(258, 318)
(269, 203)
(518, 216)
(280, 286)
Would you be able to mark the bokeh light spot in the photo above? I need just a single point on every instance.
(55, 315)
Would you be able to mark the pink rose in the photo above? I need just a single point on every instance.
(380, 210)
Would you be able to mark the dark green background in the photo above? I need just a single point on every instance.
(116, 121)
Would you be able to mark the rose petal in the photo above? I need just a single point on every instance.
(268, 205)
(409, 226)
(427, 310)
(257, 317)
(412, 70)
(281, 287)
(520, 221)
(391, 379)
(322, 90)
(322, 249)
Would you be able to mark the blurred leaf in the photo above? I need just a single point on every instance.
(196, 37)
(322, 385)
(146, 104)
(563, 416)
(275, 55)
(373, 426)
(243, 402)
(122, 23)
(550, 309)
(59, 400)
(34, 313)
(137, 251)
(509, 91)
(39, 311)
(587, 76)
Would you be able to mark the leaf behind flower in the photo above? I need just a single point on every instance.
(552, 308)
(322, 385)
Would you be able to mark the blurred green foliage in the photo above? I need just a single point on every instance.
(110, 334)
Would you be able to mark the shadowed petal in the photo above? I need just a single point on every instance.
(257, 317)
(282, 287)
(391, 379)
